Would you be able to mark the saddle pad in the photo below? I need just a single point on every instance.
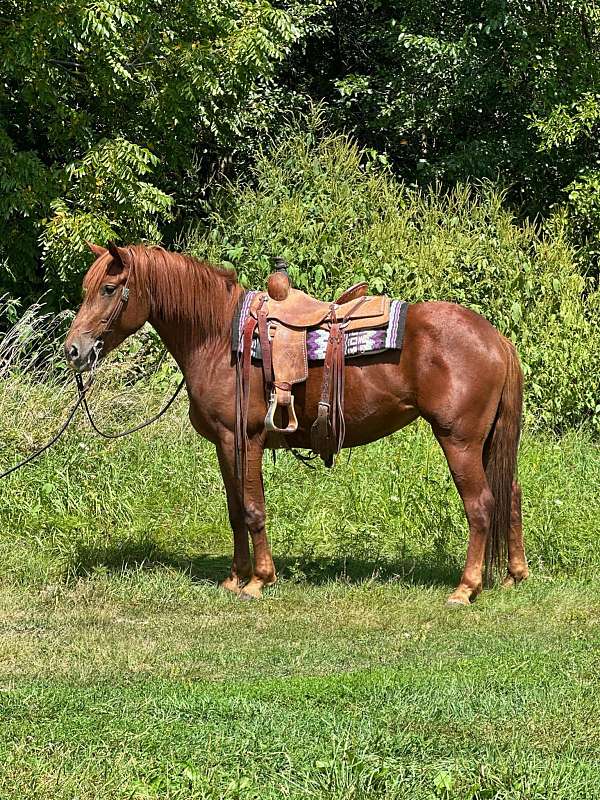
(356, 343)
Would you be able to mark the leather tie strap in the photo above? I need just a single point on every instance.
(355, 307)
(265, 346)
(328, 430)
(243, 399)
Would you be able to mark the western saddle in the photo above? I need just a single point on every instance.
(282, 317)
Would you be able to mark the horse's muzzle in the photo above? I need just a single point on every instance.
(82, 353)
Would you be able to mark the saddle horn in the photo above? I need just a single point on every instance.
(278, 285)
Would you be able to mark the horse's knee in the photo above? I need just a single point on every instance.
(254, 517)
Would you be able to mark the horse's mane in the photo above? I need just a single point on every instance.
(182, 288)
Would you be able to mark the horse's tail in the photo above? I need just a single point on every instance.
(501, 461)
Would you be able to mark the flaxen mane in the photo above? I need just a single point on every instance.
(181, 288)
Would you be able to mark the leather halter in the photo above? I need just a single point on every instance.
(114, 314)
(118, 307)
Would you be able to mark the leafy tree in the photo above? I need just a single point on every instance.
(118, 116)
(570, 132)
(451, 91)
(109, 107)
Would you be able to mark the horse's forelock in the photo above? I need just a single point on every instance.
(96, 274)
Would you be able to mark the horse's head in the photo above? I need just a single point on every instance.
(113, 308)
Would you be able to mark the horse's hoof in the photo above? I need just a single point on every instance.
(230, 586)
(245, 596)
(457, 602)
(514, 580)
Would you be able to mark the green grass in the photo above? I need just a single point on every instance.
(150, 685)
(158, 497)
(126, 673)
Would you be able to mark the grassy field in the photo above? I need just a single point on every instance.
(126, 673)
(150, 685)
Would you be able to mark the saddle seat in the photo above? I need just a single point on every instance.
(282, 326)
(300, 310)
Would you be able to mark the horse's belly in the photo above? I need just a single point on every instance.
(377, 400)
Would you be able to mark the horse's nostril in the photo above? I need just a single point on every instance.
(73, 351)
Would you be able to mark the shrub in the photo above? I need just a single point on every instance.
(338, 216)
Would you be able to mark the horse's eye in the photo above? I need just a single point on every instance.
(108, 289)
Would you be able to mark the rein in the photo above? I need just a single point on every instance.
(83, 389)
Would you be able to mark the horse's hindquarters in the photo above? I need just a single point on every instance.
(451, 371)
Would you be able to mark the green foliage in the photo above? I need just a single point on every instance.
(93, 95)
(106, 198)
(450, 90)
(561, 131)
(26, 189)
(338, 218)
(584, 216)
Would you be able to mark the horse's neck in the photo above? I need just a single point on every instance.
(191, 346)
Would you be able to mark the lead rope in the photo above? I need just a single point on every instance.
(82, 393)
(82, 398)
(84, 388)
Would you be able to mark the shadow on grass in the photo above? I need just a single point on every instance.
(135, 555)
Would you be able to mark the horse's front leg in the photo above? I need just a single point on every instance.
(255, 517)
(241, 565)
(247, 516)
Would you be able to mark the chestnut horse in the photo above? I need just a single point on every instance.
(455, 370)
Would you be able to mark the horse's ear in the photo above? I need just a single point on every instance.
(96, 249)
(119, 254)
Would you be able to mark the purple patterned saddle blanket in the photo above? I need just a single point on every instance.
(356, 343)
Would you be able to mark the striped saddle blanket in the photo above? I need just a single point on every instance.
(356, 343)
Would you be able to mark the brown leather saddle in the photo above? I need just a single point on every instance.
(282, 317)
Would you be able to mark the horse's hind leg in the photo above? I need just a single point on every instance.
(465, 460)
(517, 561)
